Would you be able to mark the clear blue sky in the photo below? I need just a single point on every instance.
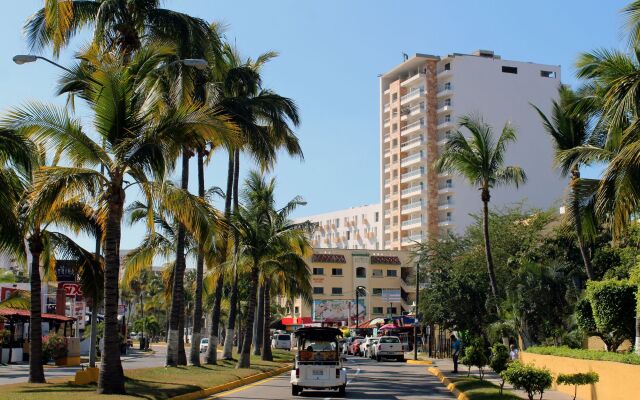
(331, 52)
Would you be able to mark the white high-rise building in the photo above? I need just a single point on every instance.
(353, 228)
(421, 101)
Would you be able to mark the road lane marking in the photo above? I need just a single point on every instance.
(241, 388)
(357, 372)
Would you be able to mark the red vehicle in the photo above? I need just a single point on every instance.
(355, 347)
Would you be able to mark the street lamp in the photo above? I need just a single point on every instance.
(358, 289)
(415, 321)
(197, 63)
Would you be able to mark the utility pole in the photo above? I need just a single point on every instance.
(415, 322)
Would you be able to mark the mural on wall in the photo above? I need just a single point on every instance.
(337, 310)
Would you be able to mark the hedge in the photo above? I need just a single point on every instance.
(563, 351)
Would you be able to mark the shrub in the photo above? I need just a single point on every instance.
(475, 356)
(588, 378)
(499, 360)
(596, 355)
(528, 378)
(54, 346)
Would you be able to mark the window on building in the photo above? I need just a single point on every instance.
(318, 290)
(449, 183)
(318, 271)
(447, 86)
(548, 74)
(376, 292)
(509, 70)
(377, 310)
(447, 102)
(392, 272)
(337, 222)
(348, 235)
(391, 310)
(449, 218)
(336, 271)
(336, 290)
(447, 118)
(447, 67)
(296, 310)
(394, 96)
(377, 216)
(376, 273)
(361, 272)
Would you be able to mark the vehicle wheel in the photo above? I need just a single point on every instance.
(295, 390)
(342, 391)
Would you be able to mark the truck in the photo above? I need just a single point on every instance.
(389, 347)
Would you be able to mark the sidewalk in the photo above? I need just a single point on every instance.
(446, 366)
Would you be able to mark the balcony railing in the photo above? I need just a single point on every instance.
(412, 238)
(411, 174)
(412, 189)
(410, 158)
(412, 221)
(419, 123)
(411, 142)
(412, 94)
(386, 107)
(413, 205)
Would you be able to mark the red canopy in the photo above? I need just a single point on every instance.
(296, 320)
(13, 312)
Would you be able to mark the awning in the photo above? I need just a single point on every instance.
(296, 320)
(13, 312)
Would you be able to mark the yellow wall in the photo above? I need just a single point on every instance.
(617, 380)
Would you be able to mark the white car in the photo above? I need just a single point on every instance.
(389, 347)
(204, 345)
(366, 347)
(281, 341)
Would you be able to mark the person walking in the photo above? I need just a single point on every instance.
(456, 346)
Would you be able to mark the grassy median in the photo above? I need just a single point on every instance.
(149, 383)
(476, 389)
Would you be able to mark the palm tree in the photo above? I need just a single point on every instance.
(480, 159)
(569, 129)
(259, 236)
(264, 119)
(136, 143)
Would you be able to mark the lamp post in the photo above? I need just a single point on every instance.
(415, 322)
(358, 289)
(197, 63)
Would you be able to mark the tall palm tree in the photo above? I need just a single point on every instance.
(569, 129)
(480, 159)
(265, 120)
(259, 236)
(136, 145)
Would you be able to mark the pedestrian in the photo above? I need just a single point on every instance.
(456, 346)
(513, 353)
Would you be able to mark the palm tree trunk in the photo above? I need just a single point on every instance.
(578, 225)
(182, 356)
(245, 355)
(177, 297)
(197, 310)
(266, 343)
(36, 371)
(259, 323)
(212, 350)
(227, 354)
(111, 380)
(487, 247)
(93, 339)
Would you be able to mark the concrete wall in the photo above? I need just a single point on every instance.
(618, 381)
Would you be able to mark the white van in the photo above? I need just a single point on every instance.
(281, 341)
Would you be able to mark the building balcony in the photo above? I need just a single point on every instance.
(445, 205)
(386, 123)
(443, 139)
(412, 95)
(411, 144)
(411, 175)
(444, 92)
(446, 223)
(413, 79)
(387, 182)
(444, 73)
(409, 240)
(445, 124)
(410, 160)
(411, 191)
(412, 127)
(411, 207)
(445, 108)
(411, 223)
(386, 137)
(442, 189)
(386, 107)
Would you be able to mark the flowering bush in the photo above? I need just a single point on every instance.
(54, 346)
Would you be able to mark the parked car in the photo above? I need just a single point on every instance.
(350, 341)
(204, 345)
(281, 341)
(355, 346)
(389, 347)
(366, 347)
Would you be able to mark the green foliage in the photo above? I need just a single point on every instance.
(563, 351)
(99, 329)
(475, 356)
(613, 305)
(528, 378)
(578, 379)
(54, 346)
(147, 324)
(499, 360)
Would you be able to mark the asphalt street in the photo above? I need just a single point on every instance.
(367, 379)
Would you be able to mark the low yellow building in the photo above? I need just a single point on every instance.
(386, 279)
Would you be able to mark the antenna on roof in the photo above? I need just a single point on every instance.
(405, 56)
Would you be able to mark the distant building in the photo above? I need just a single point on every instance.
(421, 101)
(353, 228)
(387, 276)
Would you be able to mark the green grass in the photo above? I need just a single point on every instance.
(149, 383)
(476, 389)
(626, 358)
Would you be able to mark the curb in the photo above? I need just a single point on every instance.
(231, 385)
(419, 362)
(447, 382)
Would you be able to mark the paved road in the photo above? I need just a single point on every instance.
(368, 379)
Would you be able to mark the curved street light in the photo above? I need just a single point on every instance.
(197, 63)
